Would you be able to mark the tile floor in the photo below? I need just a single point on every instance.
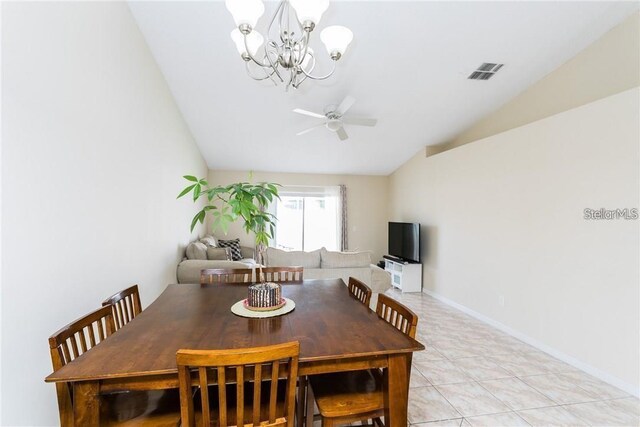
(475, 375)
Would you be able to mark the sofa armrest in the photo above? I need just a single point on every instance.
(380, 279)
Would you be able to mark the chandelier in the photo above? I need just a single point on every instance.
(286, 55)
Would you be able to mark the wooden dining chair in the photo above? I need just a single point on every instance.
(348, 397)
(155, 407)
(281, 274)
(359, 291)
(253, 386)
(125, 304)
(211, 276)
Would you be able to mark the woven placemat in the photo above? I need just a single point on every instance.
(240, 310)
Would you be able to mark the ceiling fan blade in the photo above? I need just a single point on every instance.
(342, 134)
(360, 121)
(309, 113)
(310, 129)
(346, 103)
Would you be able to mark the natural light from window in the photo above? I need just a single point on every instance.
(308, 218)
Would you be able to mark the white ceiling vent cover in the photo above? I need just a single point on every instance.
(485, 71)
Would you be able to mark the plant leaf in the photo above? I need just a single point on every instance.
(190, 178)
(185, 191)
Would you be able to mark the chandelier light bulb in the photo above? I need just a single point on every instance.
(254, 41)
(336, 39)
(309, 10)
(245, 12)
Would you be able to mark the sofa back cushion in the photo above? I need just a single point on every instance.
(219, 253)
(329, 259)
(279, 258)
(196, 250)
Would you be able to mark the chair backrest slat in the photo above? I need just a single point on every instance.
(397, 315)
(211, 276)
(282, 363)
(126, 305)
(281, 274)
(359, 291)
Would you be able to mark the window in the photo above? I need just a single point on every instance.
(308, 219)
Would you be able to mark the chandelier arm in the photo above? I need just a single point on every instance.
(271, 64)
(248, 52)
(321, 77)
(268, 75)
(305, 38)
(313, 65)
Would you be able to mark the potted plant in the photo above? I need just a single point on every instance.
(242, 200)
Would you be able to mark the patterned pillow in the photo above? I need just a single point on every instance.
(234, 246)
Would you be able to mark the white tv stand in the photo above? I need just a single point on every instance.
(404, 276)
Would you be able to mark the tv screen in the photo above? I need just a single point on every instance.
(404, 241)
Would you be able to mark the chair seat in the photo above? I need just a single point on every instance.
(248, 399)
(347, 394)
(141, 408)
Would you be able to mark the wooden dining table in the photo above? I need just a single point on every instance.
(336, 333)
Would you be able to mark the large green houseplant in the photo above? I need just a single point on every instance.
(228, 203)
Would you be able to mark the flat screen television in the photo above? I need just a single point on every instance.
(404, 241)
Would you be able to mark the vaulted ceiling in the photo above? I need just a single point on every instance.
(407, 66)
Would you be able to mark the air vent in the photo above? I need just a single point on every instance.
(485, 71)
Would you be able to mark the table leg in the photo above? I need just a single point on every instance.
(86, 403)
(302, 402)
(397, 391)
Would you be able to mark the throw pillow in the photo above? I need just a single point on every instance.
(209, 241)
(234, 245)
(196, 250)
(219, 253)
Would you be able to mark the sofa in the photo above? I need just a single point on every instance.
(324, 264)
(318, 264)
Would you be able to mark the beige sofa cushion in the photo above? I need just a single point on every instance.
(209, 241)
(279, 258)
(331, 259)
(218, 253)
(196, 250)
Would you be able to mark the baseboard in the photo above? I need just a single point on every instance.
(608, 378)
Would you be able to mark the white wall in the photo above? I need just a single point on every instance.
(93, 153)
(504, 217)
(367, 200)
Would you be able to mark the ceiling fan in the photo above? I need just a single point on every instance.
(334, 118)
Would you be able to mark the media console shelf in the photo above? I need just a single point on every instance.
(406, 277)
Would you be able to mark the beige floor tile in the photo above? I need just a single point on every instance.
(604, 413)
(593, 385)
(429, 353)
(471, 399)
(481, 368)
(507, 419)
(555, 416)
(418, 380)
(516, 394)
(560, 390)
(427, 404)
(441, 372)
(445, 423)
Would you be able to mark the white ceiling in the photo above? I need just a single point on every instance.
(407, 66)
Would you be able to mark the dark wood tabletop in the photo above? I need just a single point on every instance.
(327, 322)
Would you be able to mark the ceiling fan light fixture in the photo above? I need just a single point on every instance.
(253, 41)
(245, 12)
(336, 39)
(309, 12)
